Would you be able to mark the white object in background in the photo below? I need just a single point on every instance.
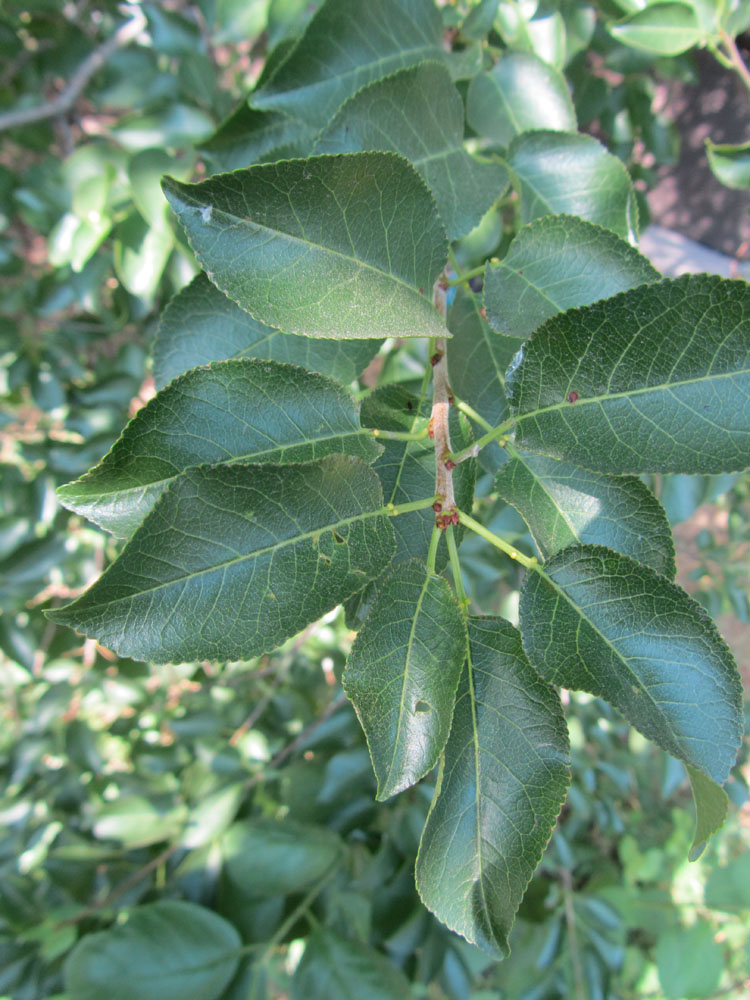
(674, 254)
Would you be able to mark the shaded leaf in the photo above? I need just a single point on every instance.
(336, 968)
(232, 411)
(346, 46)
(165, 949)
(572, 173)
(419, 113)
(594, 620)
(655, 379)
(728, 887)
(689, 960)
(331, 246)
(477, 361)
(264, 858)
(402, 674)
(730, 164)
(520, 93)
(565, 505)
(233, 560)
(711, 806)
(201, 324)
(407, 468)
(251, 136)
(665, 29)
(553, 264)
(502, 784)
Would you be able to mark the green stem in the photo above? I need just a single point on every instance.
(488, 438)
(393, 509)
(499, 543)
(458, 581)
(460, 279)
(735, 59)
(471, 412)
(432, 553)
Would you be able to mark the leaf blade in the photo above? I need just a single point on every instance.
(403, 672)
(199, 578)
(201, 325)
(510, 728)
(298, 244)
(556, 263)
(399, 114)
(565, 505)
(233, 411)
(653, 379)
(597, 621)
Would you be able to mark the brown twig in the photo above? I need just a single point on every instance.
(445, 505)
(65, 100)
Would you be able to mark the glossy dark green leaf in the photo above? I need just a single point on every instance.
(665, 29)
(521, 93)
(572, 173)
(263, 858)
(232, 411)
(165, 950)
(336, 968)
(502, 784)
(477, 361)
(556, 263)
(403, 672)
(711, 806)
(418, 113)
(655, 379)
(565, 505)
(730, 164)
(346, 45)
(407, 468)
(201, 325)
(331, 246)
(597, 621)
(233, 560)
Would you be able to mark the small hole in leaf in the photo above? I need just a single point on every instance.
(338, 539)
(423, 706)
(325, 558)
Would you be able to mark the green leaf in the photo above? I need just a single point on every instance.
(137, 822)
(407, 468)
(234, 560)
(264, 858)
(556, 263)
(711, 806)
(730, 164)
(690, 961)
(165, 950)
(477, 360)
(201, 324)
(564, 505)
(567, 172)
(402, 674)
(728, 887)
(345, 46)
(419, 113)
(332, 246)
(232, 411)
(655, 379)
(250, 136)
(336, 968)
(502, 783)
(521, 93)
(666, 29)
(596, 621)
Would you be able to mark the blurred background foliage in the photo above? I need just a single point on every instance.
(246, 788)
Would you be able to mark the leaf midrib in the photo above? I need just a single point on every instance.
(254, 555)
(662, 387)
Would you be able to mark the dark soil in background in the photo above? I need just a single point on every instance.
(688, 198)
